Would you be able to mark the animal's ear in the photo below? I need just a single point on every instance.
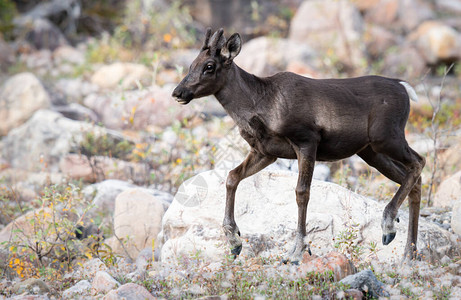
(232, 47)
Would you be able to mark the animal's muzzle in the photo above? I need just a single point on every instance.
(182, 95)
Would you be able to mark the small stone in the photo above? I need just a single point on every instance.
(103, 283)
(367, 282)
(82, 288)
(456, 218)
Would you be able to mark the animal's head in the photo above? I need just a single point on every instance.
(209, 71)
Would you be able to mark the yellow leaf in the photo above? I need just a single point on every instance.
(167, 37)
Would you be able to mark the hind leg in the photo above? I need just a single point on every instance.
(408, 176)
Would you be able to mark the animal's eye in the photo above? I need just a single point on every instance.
(209, 68)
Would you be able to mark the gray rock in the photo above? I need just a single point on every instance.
(405, 62)
(41, 33)
(44, 139)
(330, 25)
(456, 218)
(82, 288)
(31, 286)
(77, 112)
(6, 54)
(75, 89)
(367, 282)
(449, 6)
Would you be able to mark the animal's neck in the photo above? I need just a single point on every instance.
(242, 94)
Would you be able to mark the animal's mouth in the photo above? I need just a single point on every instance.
(183, 101)
(183, 97)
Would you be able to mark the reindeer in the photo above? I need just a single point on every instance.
(290, 116)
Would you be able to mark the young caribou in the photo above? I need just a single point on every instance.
(295, 117)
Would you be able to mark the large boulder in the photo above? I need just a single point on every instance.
(40, 32)
(103, 196)
(450, 160)
(449, 191)
(138, 109)
(397, 14)
(20, 97)
(437, 42)
(264, 56)
(405, 62)
(104, 193)
(43, 140)
(97, 168)
(266, 213)
(23, 226)
(137, 221)
(121, 75)
(331, 27)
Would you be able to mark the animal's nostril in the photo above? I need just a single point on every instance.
(176, 93)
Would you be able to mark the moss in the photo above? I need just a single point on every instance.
(7, 13)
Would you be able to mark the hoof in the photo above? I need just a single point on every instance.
(236, 251)
(387, 238)
(287, 260)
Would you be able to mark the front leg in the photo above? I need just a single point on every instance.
(252, 164)
(306, 162)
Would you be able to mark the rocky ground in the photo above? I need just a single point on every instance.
(110, 189)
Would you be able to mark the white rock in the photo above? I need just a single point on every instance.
(266, 213)
(20, 97)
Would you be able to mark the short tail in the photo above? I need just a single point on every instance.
(410, 91)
